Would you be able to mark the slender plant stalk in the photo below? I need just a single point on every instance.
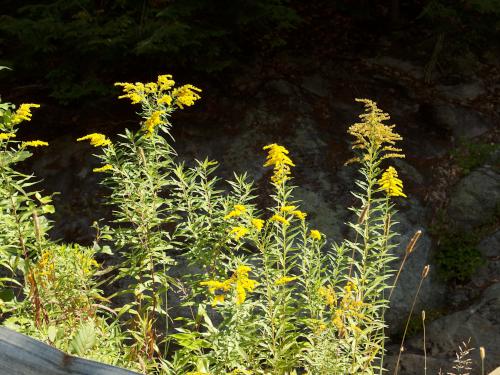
(425, 272)
(425, 348)
(408, 251)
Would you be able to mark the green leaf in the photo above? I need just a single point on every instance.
(6, 295)
(48, 209)
(84, 340)
(52, 333)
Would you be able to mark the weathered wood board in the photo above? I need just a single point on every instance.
(22, 355)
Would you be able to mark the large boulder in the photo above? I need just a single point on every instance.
(475, 200)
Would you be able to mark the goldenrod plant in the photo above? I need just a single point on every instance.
(48, 290)
(261, 291)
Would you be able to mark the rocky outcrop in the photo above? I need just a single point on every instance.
(475, 200)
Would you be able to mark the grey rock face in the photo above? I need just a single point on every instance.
(480, 322)
(433, 292)
(459, 121)
(463, 91)
(490, 271)
(476, 199)
(414, 364)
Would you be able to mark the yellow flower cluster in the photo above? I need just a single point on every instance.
(237, 211)
(104, 168)
(278, 157)
(299, 214)
(152, 122)
(391, 184)
(294, 211)
(238, 232)
(239, 280)
(165, 82)
(159, 99)
(350, 307)
(4, 136)
(160, 92)
(44, 269)
(315, 234)
(284, 280)
(36, 143)
(328, 294)
(96, 139)
(185, 95)
(371, 132)
(258, 224)
(279, 219)
(135, 92)
(23, 113)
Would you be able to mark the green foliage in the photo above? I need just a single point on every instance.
(457, 257)
(470, 155)
(52, 39)
(48, 290)
(260, 291)
(278, 300)
(468, 29)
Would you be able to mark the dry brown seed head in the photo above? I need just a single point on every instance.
(363, 214)
(413, 241)
(425, 271)
(36, 222)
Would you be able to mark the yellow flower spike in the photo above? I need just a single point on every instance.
(23, 113)
(243, 283)
(165, 82)
(284, 280)
(277, 157)
(299, 214)
(134, 92)
(218, 299)
(150, 88)
(391, 184)
(328, 295)
(287, 208)
(104, 168)
(36, 143)
(372, 132)
(258, 224)
(240, 280)
(214, 285)
(240, 207)
(185, 95)
(243, 270)
(237, 211)
(315, 234)
(241, 294)
(153, 121)
(165, 99)
(5, 136)
(279, 219)
(96, 139)
(238, 232)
